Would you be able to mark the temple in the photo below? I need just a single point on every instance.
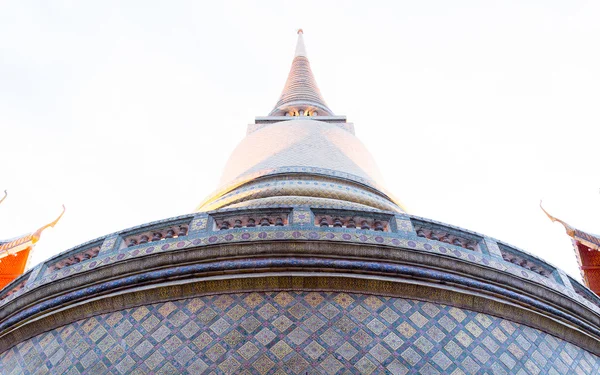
(300, 262)
(14, 253)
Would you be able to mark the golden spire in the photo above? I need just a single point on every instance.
(301, 95)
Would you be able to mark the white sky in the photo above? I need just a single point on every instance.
(126, 112)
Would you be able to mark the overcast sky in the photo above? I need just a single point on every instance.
(126, 112)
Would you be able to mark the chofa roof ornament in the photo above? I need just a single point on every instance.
(20, 249)
(586, 246)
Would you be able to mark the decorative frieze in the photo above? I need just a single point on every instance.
(526, 261)
(303, 225)
(157, 234)
(351, 220)
(447, 235)
(246, 219)
(71, 259)
(17, 288)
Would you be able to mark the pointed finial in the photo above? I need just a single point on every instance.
(570, 230)
(36, 235)
(300, 49)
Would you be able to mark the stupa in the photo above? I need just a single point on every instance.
(299, 263)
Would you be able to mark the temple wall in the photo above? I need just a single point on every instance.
(296, 333)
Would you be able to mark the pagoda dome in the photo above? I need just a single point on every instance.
(301, 143)
(301, 161)
(301, 154)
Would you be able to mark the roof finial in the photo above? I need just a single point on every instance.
(570, 230)
(36, 235)
(21, 245)
(300, 49)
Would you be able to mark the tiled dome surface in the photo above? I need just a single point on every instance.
(306, 143)
(297, 332)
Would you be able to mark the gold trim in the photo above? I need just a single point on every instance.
(36, 235)
(26, 241)
(570, 230)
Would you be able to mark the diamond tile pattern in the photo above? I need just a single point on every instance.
(296, 333)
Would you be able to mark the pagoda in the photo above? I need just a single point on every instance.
(300, 262)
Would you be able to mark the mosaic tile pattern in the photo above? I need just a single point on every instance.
(302, 217)
(199, 224)
(296, 333)
(313, 202)
(301, 169)
(302, 187)
(493, 247)
(109, 243)
(403, 224)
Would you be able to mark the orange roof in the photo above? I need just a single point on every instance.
(14, 253)
(587, 251)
